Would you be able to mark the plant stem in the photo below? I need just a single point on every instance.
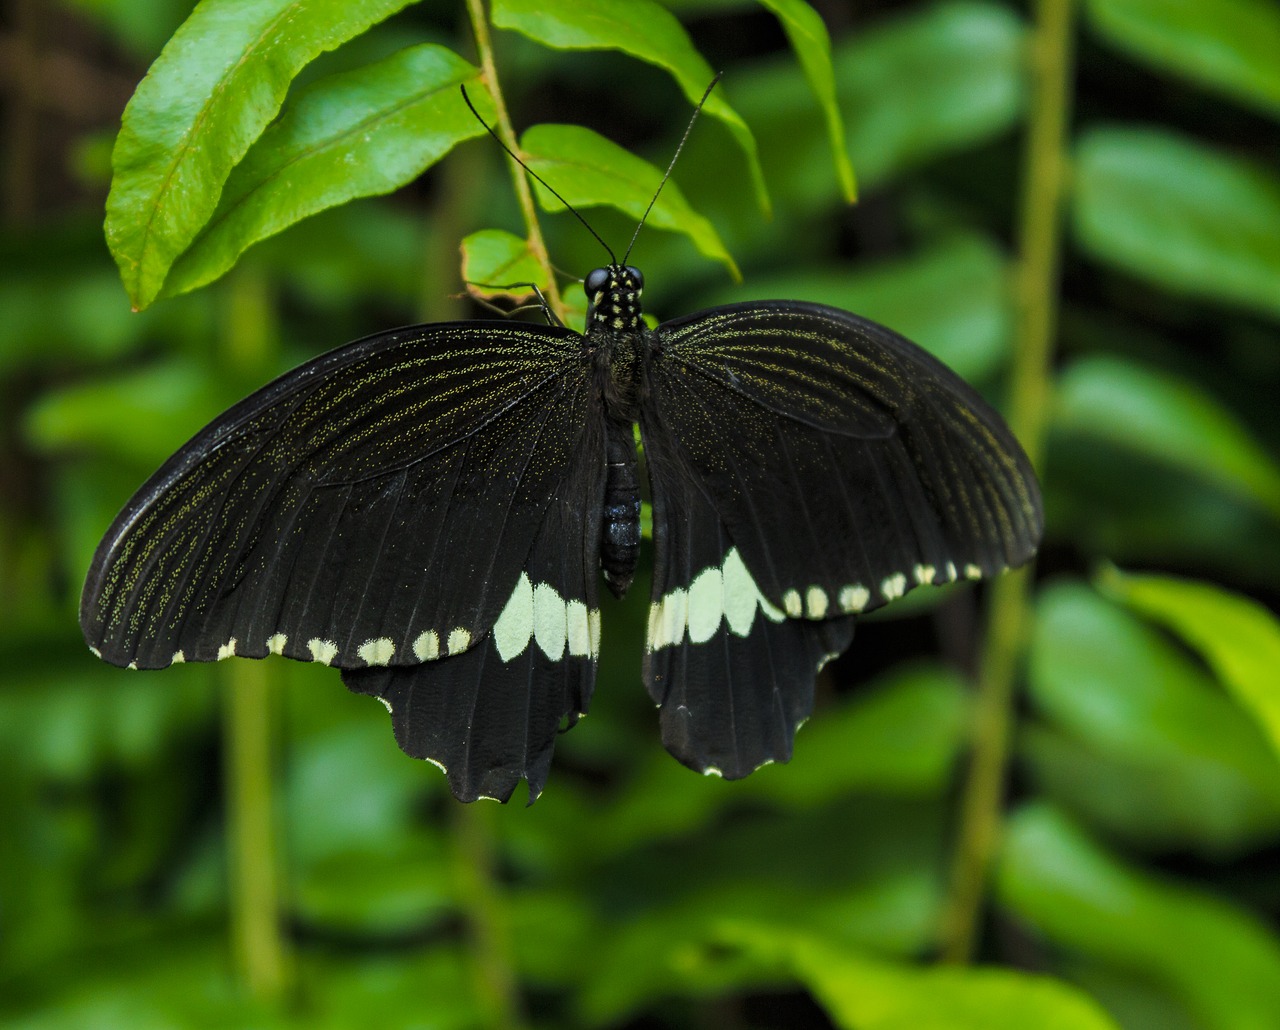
(497, 986)
(257, 944)
(533, 231)
(1009, 615)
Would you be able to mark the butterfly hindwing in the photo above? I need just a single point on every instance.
(732, 674)
(489, 716)
(846, 463)
(373, 507)
(807, 466)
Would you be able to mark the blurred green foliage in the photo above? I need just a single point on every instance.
(1138, 879)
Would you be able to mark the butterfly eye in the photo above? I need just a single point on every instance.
(637, 277)
(596, 281)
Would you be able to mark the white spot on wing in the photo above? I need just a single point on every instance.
(549, 620)
(275, 644)
(178, 658)
(741, 595)
(816, 602)
(514, 627)
(322, 651)
(578, 629)
(894, 586)
(459, 640)
(427, 647)
(706, 601)
(593, 628)
(792, 603)
(854, 598)
(227, 650)
(377, 652)
(711, 770)
(925, 574)
(951, 572)
(94, 651)
(386, 704)
(972, 572)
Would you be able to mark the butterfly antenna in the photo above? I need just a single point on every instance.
(667, 174)
(550, 189)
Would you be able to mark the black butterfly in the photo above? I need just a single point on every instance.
(428, 509)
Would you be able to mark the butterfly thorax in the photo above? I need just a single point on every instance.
(615, 333)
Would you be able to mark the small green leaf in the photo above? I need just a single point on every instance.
(218, 82)
(494, 260)
(1239, 638)
(1228, 45)
(864, 993)
(587, 169)
(1181, 214)
(1159, 415)
(354, 134)
(1220, 960)
(812, 45)
(643, 29)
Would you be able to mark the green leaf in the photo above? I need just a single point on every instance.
(643, 29)
(1119, 690)
(1180, 214)
(172, 399)
(218, 82)
(864, 872)
(354, 134)
(1159, 415)
(1238, 638)
(812, 45)
(1228, 45)
(587, 169)
(939, 80)
(864, 993)
(952, 299)
(1220, 960)
(494, 259)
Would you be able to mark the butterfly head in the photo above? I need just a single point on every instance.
(613, 298)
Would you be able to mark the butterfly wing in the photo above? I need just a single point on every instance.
(822, 465)
(375, 508)
(489, 716)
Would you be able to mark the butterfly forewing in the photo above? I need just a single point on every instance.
(846, 464)
(373, 507)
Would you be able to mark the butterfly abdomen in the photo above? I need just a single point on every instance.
(620, 528)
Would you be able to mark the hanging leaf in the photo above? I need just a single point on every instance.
(1238, 638)
(218, 82)
(1158, 415)
(812, 45)
(1220, 961)
(355, 134)
(1180, 214)
(1227, 45)
(643, 29)
(587, 169)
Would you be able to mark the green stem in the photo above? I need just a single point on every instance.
(496, 982)
(524, 194)
(257, 942)
(1010, 608)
